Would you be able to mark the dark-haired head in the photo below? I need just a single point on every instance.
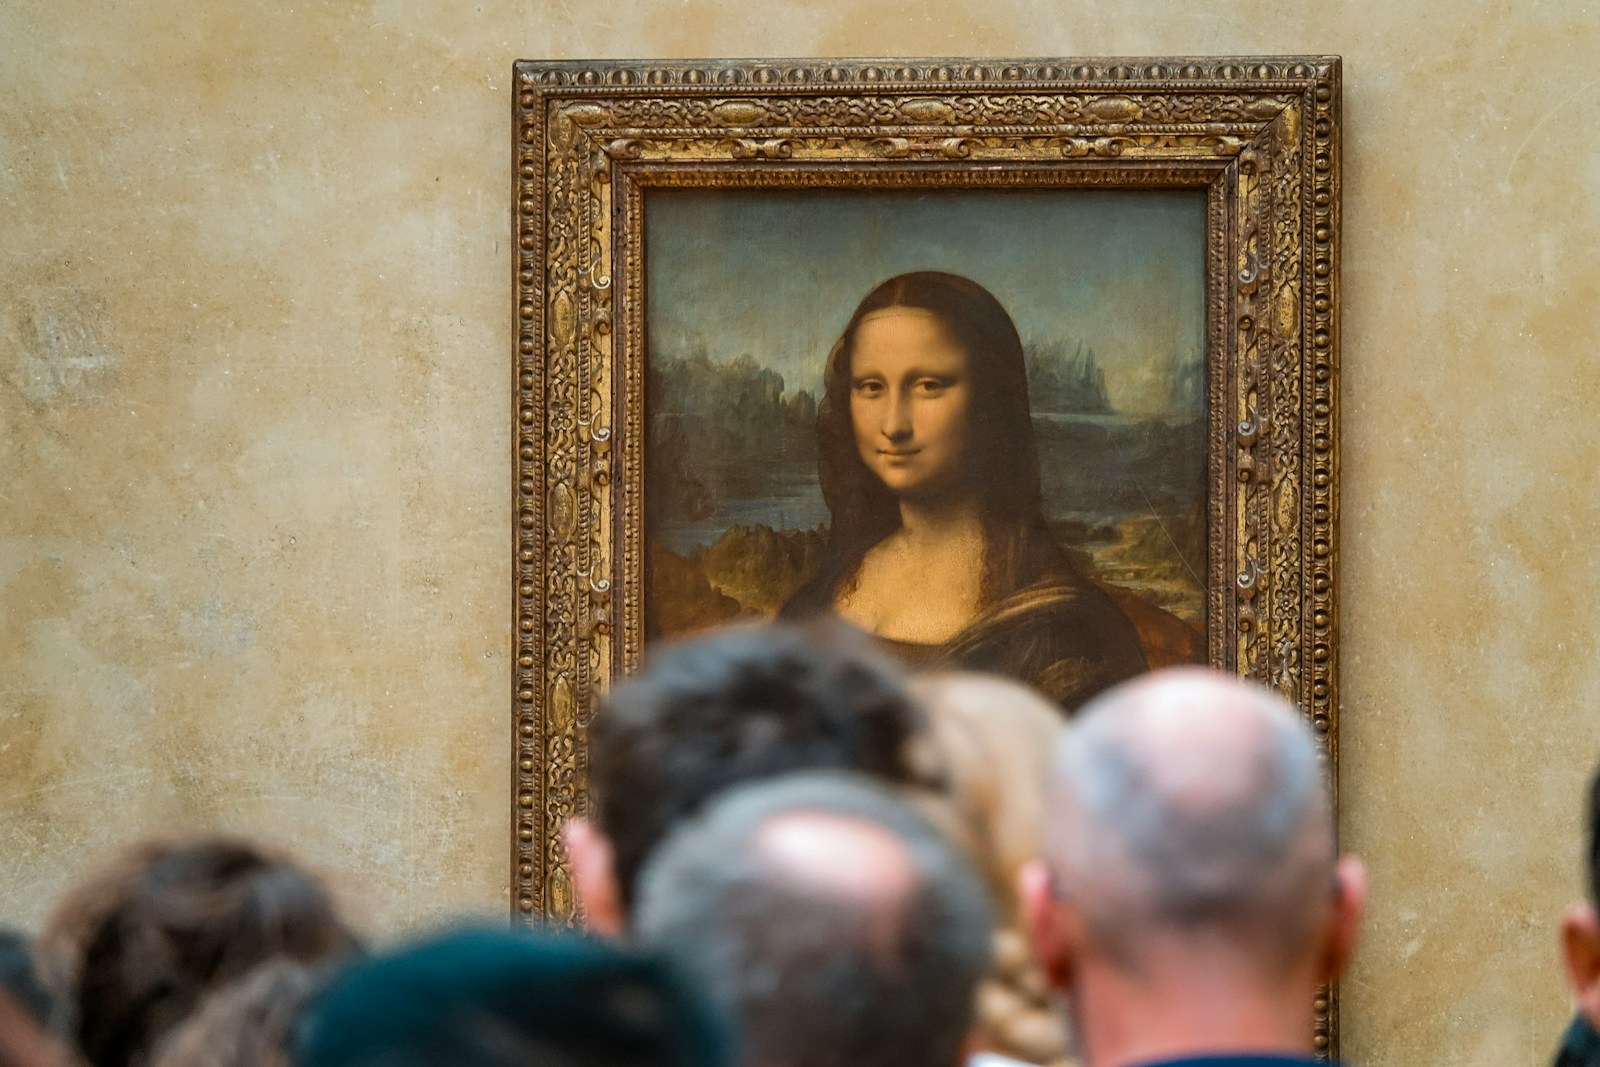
(136, 946)
(733, 706)
(499, 998)
(247, 1024)
(1000, 470)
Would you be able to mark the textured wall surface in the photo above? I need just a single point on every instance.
(254, 484)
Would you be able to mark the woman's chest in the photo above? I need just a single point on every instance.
(926, 602)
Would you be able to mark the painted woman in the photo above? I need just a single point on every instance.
(938, 543)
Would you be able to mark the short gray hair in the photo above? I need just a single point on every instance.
(1193, 800)
(810, 976)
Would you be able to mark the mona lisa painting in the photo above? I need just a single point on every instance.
(970, 423)
(1027, 366)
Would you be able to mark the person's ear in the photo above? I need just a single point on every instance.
(1049, 930)
(594, 877)
(1580, 947)
(1348, 907)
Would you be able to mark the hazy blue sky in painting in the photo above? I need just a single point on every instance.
(776, 274)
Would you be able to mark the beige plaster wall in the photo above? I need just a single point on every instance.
(254, 502)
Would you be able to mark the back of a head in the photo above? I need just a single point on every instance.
(827, 919)
(737, 705)
(991, 739)
(135, 947)
(1189, 806)
(247, 1024)
(501, 998)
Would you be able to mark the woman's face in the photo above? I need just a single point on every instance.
(910, 392)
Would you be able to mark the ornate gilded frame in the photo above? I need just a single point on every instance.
(1261, 135)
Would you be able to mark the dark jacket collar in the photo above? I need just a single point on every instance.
(1580, 1046)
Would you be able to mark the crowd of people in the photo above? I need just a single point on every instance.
(800, 858)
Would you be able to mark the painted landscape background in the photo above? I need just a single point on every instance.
(747, 291)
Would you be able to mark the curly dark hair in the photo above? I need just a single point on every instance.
(738, 705)
(1002, 466)
(135, 947)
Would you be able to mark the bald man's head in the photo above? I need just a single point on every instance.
(827, 918)
(837, 856)
(1190, 805)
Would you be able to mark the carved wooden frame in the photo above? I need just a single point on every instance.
(1261, 135)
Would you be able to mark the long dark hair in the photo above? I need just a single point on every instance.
(1002, 465)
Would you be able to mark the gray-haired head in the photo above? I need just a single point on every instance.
(1190, 804)
(827, 918)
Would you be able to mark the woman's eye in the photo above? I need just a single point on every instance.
(869, 388)
(932, 386)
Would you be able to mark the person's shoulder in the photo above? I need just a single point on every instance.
(1580, 1046)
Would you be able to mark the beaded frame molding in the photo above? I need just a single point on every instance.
(1259, 135)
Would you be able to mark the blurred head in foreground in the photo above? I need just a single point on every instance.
(737, 705)
(828, 921)
(992, 739)
(134, 948)
(502, 998)
(247, 1024)
(1191, 899)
